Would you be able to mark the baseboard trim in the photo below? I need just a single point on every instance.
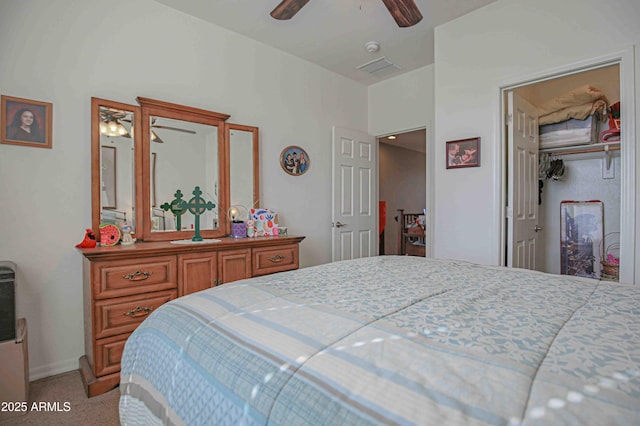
(43, 371)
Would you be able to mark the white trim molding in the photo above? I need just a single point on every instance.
(629, 201)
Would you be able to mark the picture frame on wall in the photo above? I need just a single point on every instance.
(294, 160)
(463, 153)
(25, 122)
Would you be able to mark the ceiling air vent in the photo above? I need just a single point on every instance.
(379, 67)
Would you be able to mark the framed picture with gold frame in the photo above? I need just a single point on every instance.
(294, 160)
(25, 122)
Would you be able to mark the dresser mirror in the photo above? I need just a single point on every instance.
(166, 147)
(182, 148)
(183, 155)
(113, 185)
(244, 186)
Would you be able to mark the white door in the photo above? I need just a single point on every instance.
(353, 207)
(522, 209)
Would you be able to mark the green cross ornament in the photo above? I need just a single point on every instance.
(178, 207)
(197, 206)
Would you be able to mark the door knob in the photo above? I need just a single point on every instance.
(537, 228)
(340, 225)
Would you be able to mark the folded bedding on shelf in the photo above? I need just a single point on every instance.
(578, 103)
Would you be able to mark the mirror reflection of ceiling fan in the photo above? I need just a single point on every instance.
(110, 122)
(405, 12)
(110, 125)
(156, 138)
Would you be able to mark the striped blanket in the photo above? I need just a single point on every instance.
(389, 340)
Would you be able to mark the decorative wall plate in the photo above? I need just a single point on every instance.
(294, 160)
(109, 234)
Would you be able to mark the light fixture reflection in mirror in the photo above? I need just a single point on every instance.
(238, 216)
(116, 179)
(112, 128)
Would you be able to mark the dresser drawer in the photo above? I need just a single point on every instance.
(127, 277)
(108, 354)
(122, 315)
(267, 260)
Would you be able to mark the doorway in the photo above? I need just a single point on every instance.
(592, 173)
(402, 183)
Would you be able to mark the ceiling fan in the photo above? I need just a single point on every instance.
(405, 12)
(156, 138)
(110, 122)
(110, 125)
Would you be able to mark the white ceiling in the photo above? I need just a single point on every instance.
(333, 33)
(415, 140)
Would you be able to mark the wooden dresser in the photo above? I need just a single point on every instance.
(124, 284)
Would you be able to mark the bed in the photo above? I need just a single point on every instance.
(390, 340)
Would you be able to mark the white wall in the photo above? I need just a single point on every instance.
(503, 42)
(402, 103)
(405, 103)
(61, 52)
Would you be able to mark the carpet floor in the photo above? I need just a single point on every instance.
(67, 404)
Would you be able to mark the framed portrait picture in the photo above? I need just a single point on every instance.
(463, 153)
(294, 160)
(25, 122)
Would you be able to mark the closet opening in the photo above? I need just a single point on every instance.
(563, 184)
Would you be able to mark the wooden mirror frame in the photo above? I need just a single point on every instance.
(255, 202)
(96, 209)
(142, 163)
(152, 107)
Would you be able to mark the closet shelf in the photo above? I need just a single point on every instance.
(581, 149)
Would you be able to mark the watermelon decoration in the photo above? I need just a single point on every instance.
(109, 234)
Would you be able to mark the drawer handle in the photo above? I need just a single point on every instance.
(138, 311)
(137, 276)
(276, 259)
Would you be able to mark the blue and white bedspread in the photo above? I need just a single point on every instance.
(390, 340)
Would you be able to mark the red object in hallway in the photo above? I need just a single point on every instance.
(382, 215)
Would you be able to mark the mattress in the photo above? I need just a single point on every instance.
(389, 340)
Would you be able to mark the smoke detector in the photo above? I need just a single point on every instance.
(372, 46)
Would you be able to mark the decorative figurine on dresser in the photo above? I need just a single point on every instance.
(125, 282)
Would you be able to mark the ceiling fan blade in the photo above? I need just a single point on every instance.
(287, 9)
(174, 128)
(405, 12)
(155, 138)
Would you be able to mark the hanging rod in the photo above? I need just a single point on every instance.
(582, 149)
